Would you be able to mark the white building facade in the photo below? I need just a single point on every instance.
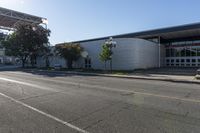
(177, 46)
(129, 54)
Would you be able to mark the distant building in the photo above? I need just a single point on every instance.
(177, 46)
(8, 20)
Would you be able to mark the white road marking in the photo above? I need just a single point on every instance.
(105, 89)
(45, 114)
(27, 84)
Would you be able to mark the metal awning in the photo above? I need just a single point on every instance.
(176, 34)
(189, 30)
(9, 18)
(182, 31)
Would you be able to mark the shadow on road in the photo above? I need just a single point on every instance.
(44, 73)
(184, 71)
(147, 72)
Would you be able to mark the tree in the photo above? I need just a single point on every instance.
(105, 54)
(28, 41)
(70, 52)
(46, 56)
(2, 38)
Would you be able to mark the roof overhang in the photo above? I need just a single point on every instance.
(182, 31)
(9, 18)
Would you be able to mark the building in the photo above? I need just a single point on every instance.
(177, 46)
(8, 20)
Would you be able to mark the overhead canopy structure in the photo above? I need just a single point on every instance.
(169, 33)
(9, 18)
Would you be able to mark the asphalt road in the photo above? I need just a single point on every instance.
(41, 102)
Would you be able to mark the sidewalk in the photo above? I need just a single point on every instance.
(160, 77)
(171, 78)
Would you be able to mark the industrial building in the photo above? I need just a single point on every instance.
(8, 20)
(177, 46)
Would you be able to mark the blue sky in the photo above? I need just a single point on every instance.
(72, 20)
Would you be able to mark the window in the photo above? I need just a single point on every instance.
(178, 52)
(182, 60)
(193, 60)
(189, 42)
(172, 52)
(181, 43)
(172, 62)
(188, 51)
(167, 52)
(182, 52)
(87, 63)
(188, 60)
(196, 42)
(193, 52)
(198, 51)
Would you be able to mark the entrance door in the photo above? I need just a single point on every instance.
(88, 63)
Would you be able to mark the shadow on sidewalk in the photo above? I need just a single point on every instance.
(148, 72)
(166, 71)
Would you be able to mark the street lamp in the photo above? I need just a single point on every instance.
(45, 22)
(111, 44)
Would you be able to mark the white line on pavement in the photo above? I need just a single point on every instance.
(105, 89)
(27, 84)
(45, 114)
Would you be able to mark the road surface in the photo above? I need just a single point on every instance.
(42, 102)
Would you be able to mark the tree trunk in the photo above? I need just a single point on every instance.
(105, 65)
(47, 62)
(33, 60)
(69, 64)
(23, 59)
(23, 63)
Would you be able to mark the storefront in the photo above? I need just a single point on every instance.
(183, 53)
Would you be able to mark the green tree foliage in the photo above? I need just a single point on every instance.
(70, 52)
(2, 38)
(28, 41)
(105, 54)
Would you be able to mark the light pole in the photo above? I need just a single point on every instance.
(111, 44)
(45, 22)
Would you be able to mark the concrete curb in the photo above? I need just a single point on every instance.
(119, 76)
